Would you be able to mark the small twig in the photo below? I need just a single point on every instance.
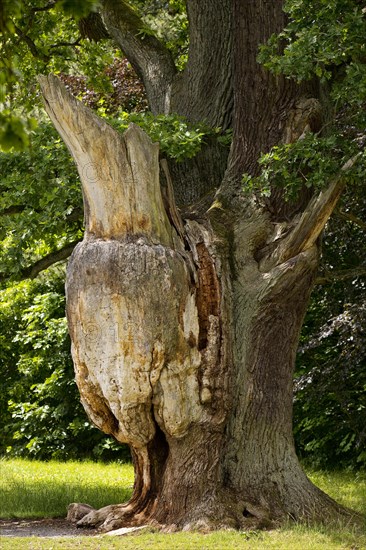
(348, 216)
(47, 7)
(33, 270)
(31, 45)
(330, 277)
(65, 44)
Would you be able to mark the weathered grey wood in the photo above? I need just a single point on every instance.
(307, 229)
(119, 174)
(77, 510)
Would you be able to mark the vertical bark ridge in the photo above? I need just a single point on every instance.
(203, 92)
(261, 463)
(261, 115)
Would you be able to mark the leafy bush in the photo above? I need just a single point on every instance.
(330, 393)
(43, 414)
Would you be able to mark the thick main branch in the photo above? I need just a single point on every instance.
(204, 91)
(151, 60)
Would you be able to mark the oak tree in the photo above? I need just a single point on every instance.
(187, 295)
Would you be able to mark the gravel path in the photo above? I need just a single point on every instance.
(42, 528)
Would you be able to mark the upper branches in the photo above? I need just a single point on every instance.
(311, 223)
(204, 92)
(151, 60)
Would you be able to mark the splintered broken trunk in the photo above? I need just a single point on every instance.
(184, 337)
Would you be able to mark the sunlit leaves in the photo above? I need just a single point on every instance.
(325, 40)
(40, 37)
(178, 138)
(77, 8)
(9, 10)
(318, 37)
(310, 162)
(39, 190)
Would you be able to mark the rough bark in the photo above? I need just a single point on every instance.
(202, 92)
(184, 333)
(148, 56)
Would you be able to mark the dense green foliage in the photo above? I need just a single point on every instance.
(38, 37)
(40, 195)
(324, 40)
(312, 162)
(41, 411)
(330, 382)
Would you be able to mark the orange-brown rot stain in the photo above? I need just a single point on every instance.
(181, 309)
(121, 225)
(208, 294)
(114, 228)
(126, 346)
(143, 223)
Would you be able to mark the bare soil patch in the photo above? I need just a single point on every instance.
(50, 527)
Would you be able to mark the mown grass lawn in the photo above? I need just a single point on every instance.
(38, 489)
(34, 489)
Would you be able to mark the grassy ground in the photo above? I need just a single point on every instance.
(291, 539)
(35, 489)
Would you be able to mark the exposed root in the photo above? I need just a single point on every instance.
(218, 514)
(110, 517)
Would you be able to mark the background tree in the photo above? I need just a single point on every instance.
(243, 264)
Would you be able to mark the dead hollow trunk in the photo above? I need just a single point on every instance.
(184, 338)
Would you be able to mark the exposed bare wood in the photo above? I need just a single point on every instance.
(311, 223)
(120, 179)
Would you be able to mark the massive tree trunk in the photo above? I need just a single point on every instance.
(185, 328)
